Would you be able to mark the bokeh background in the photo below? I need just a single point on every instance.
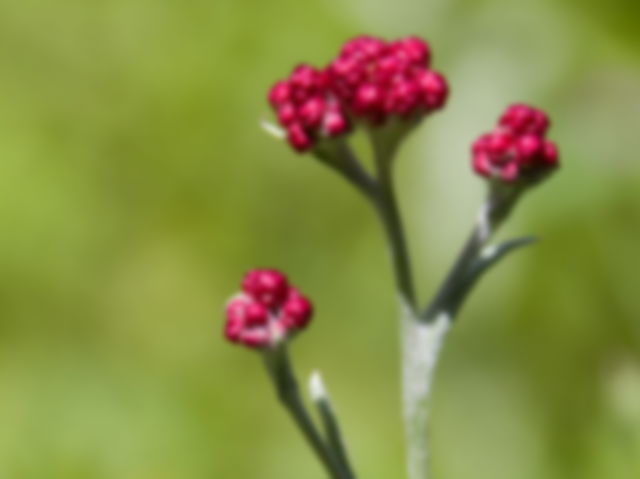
(136, 188)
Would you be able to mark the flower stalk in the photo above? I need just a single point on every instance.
(385, 204)
(320, 397)
(448, 298)
(267, 314)
(283, 378)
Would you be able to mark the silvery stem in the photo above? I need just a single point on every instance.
(423, 334)
(421, 346)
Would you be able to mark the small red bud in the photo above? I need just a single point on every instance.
(434, 89)
(266, 286)
(236, 315)
(367, 100)
(539, 122)
(480, 145)
(416, 50)
(256, 314)
(402, 98)
(482, 164)
(304, 77)
(279, 93)
(311, 112)
(297, 311)
(334, 123)
(528, 148)
(298, 138)
(521, 118)
(287, 114)
(256, 319)
(517, 149)
(498, 145)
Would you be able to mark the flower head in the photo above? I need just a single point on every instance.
(376, 79)
(369, 82)
(267, 311)
(516, 150)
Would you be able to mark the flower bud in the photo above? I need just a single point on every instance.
(528, 148)
(434, 89)
(521, 118)
(297, 311)
(334, 123)
(298, 138)
(312, 112)
(369, 82)
(416, 50)
(280, 93)
(368, 100)
(287, 114)
(267, 311)
(516, 151)
(266, 286)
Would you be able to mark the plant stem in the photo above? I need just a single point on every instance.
(279, 368)
(424, 335)
(342, 160)
(333, 434)
(386, 206)
(421, 346)
(493, 212)
(420, 342)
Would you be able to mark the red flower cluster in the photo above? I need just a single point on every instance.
(516, 148)
(370, 80)
(267, 311)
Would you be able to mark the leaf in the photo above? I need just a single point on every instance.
(490, 256)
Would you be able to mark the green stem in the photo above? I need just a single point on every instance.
(334, 436)
(492, 214)
(281, 373)
(386, 206)
(342, 160)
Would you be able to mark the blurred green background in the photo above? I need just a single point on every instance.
(136, 188)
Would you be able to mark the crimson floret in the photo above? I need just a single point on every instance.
(267, 311)
(370, 81)
(516, 150)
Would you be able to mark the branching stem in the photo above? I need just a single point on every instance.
(423, 332)
(493, 212)
(282, 375)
